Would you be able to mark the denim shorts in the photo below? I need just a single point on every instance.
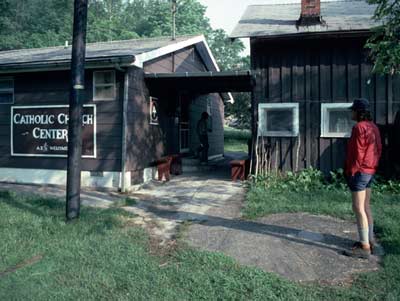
(360, 182)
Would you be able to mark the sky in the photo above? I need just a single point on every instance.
(226, 14)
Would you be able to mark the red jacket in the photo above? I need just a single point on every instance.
(364, 149)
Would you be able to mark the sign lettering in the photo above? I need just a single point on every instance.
(42, 131)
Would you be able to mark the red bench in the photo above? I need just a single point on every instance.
(169, 165)
(239, 169)
(164, 167)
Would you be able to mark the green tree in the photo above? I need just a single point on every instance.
(385, 41)
(156, 18)
(41, 23)
(108, 20)
(34, 23)
(226, 52)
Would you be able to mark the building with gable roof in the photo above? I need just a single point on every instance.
(142, 101)
(310, 62)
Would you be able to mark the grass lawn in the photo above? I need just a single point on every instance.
(104, 256)
(382, 285)
(235, 140)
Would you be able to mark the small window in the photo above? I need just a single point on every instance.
(278, 119)
(336, 120)
(104, 86)
(6, 90)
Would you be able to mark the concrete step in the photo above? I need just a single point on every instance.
(192, 164)
(197, 168)
(190, 161)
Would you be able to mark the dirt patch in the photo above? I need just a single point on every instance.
(301, 247)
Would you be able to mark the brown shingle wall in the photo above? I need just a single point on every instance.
(145, 142)
(52, 88)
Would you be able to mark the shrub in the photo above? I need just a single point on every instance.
(305, 180)
(312, 179)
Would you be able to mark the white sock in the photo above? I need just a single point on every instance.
(363, 233)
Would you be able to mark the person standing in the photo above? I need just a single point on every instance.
(202, 132)
(363, 153)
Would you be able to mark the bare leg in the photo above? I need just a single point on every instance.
(369, 214)
(359, 200)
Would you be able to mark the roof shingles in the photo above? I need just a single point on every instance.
(100, 50)
(280, 19)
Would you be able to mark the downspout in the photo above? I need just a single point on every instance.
(124, 133)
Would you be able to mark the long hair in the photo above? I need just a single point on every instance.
(364, 115)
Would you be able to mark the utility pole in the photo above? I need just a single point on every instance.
(75, 110)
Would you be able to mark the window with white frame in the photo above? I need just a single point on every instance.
(336, 120)
(104, 87)
(6, 90)
(278, 119)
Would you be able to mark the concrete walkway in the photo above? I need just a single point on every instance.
(300, 247)
(186, 198)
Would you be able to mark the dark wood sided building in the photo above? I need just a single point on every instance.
(128, 124)
(310, 63)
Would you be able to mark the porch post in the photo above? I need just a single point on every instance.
(124, 184)
(255, 96)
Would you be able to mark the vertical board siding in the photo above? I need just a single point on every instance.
(315, 112)
(312, 72)
(298, 82)
(381, 100)
(325, 96)
(339, 84)
(394, 139)
(353, 73)
(286, 96)
(307, 104)
(340, 89)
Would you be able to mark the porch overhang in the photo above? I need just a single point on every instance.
(202, 82)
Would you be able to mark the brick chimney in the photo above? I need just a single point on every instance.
(310, 8)
(310, 13)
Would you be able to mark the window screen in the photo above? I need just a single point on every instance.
(6, 90)
(339, 121)
(104, 85)
(279, 119)
(336, 120)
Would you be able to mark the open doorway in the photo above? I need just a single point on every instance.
(184, 125)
